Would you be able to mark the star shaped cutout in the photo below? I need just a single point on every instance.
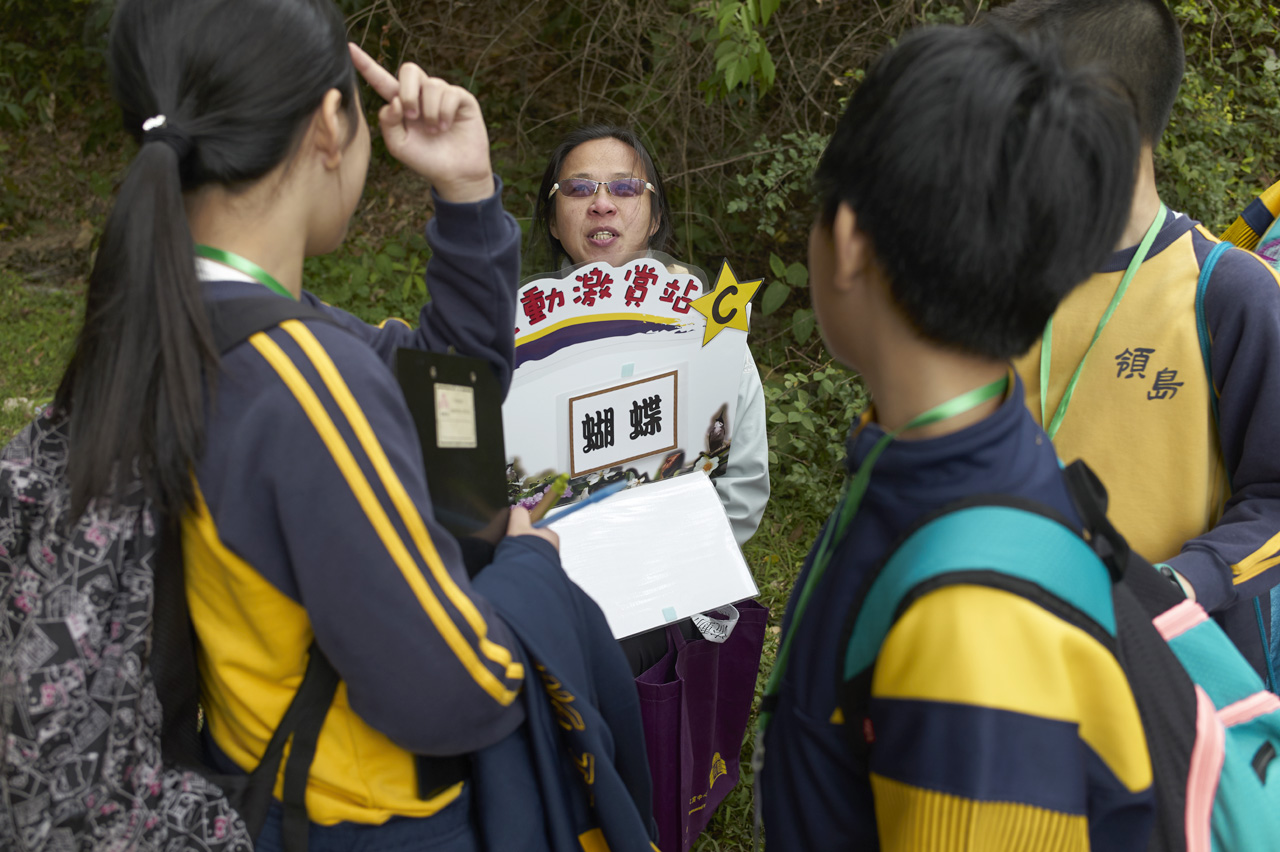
(726, 305)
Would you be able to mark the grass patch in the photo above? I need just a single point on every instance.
(38, 324)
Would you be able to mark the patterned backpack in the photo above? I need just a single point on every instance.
(98, 693)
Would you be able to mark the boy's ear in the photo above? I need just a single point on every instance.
(329, 129)
(854, 253)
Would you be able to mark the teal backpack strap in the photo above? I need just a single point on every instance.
(994, 542)
(1202, 325)
(1202, 329)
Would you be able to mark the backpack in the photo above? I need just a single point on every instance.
(99, 699)
(1212, 729)
(1257, 228)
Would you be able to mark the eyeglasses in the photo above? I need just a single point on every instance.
(584, 188)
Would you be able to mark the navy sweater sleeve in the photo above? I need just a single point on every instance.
(472, 278)
(1240, 557)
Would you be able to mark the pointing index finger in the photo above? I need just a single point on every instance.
(382, 81)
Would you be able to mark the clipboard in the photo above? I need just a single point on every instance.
(456, 405)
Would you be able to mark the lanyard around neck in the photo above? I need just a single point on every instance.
(1046, 343)
(243, 264)
(855, 488)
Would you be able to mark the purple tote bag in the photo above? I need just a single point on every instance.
(695, 703)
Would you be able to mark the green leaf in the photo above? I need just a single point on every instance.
(724, 50)
(798, 275)
(777, 417)
(775, 263)
(767, 8)
(731, 77)
(725, 16)
(802, 325)
(774, 295)
(768, 73)
(743, 70)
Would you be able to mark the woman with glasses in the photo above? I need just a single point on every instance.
(602, 199)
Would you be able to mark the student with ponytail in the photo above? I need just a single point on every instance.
(290, 461)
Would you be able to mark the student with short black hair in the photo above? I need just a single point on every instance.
(971, 183)
(1137, 41)
(1200, 496)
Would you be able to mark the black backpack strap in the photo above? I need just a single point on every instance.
(173, 657)
(1145, 583)
(303, 721)
(236, 320)
(1090, 498)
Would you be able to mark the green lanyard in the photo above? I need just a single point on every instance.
(243, 264)
(1046, 343)
(855, 488)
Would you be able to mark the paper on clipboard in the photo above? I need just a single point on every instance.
(642, 579)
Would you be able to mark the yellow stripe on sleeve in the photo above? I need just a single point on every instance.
(912, 819)
(409, 514)
(987, 647)
(1255, 563)
(378, 518)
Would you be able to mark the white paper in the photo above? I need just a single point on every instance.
(455, 416)
(655, 554)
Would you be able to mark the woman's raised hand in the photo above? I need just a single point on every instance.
(433, 128)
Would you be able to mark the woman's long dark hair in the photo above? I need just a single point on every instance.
(545, 208)
(235, 81)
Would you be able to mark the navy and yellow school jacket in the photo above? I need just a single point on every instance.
(994, 725)
(313, 521)
(1204, 499)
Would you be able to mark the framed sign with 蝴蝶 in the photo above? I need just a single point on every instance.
(624, 423)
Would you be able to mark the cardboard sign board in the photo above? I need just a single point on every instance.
(655, 554)
(622, 373)
(631, 372)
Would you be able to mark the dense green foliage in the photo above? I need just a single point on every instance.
(1220, 149)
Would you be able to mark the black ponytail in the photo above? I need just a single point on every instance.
(133, 387)
(235, 81)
